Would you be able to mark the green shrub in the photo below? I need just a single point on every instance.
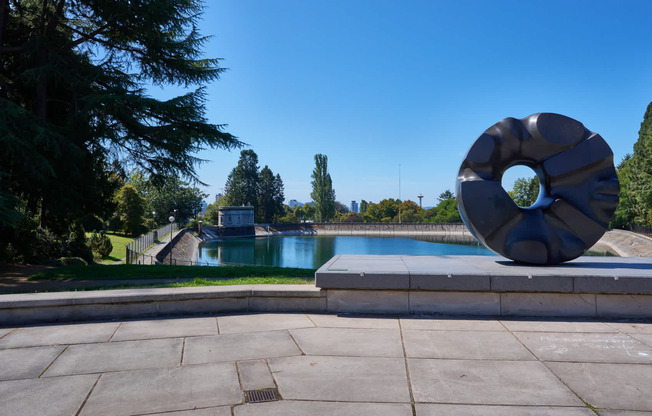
(101, 245)
(76, 243)
(72, 261)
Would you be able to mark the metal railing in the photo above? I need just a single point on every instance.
(639, 229)
(144, 242)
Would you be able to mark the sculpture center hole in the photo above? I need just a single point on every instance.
(522, 185)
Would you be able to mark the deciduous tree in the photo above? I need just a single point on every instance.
(130, 211)
(323, 194)
(525, 192)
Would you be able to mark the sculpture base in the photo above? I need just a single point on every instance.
(488, 285)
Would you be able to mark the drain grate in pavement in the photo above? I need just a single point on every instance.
(261, 396)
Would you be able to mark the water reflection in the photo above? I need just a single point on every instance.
(314, 251)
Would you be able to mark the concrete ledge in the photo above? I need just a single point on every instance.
(138, 303)
(623, 275)
(124, 304)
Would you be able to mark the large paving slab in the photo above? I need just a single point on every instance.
(44, 397)
(117, 356)
(353, 321)
(350, 379)
(484, 410)
(487, 382)
(608, 386)
(59, 334)
(481, 345)
(586, 347)
(238, 347)
(162, 390)
(255, 375)
(26, 362)
(234, 324)
(165, 328)
(349, 342)
(303, 408)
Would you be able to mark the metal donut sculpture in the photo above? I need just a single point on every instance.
(578, 189)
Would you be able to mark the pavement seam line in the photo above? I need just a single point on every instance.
(269, 368)
(595, 303)
(536, 357)
(88, 395)
(217, 322)
(296, 343)
(116, 330)
(410, 290)
(237, 371)
(311, 320)
(407, 370)
(587, 404)
(55, 359)
(183, 349)
(8, 333)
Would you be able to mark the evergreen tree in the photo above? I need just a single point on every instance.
(322, 193)
(242, 184)
(625, 214)
(639, 186)
(363, 206)
(73, 98)
(447, 194)
(270, 195)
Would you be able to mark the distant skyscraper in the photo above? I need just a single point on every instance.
(218, 196)
(294, 203)
(354, 207)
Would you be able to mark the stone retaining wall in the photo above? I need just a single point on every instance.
(183, 249)
(362, 229)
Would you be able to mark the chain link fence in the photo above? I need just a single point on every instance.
(147, 259)
(639, 229)
(137, 247)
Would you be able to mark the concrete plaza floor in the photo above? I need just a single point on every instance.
(328, 365)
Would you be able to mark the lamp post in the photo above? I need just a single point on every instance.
(171, 245)
(399, 193)
(153, 220)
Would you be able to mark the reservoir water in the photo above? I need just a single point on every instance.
(313, 251)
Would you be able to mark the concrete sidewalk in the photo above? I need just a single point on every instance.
(324, 364)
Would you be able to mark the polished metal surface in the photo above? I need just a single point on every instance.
(578, 188)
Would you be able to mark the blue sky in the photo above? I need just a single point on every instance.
(375, 84)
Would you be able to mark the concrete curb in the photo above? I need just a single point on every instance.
(146, 303)
(139, 303)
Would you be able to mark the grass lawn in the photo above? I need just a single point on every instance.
(271, 280)
(119, 251)
(134, 271)
(122, 276)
